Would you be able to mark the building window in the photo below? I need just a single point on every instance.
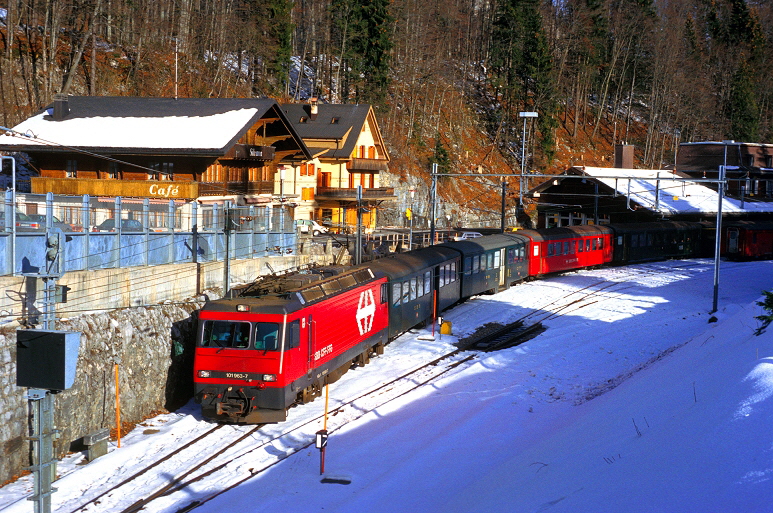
(307, 169)
(749, 160)
(161, 171)
(768, 160)
(113, 171)
(71, 168)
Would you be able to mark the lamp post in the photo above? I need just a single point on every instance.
(525, 116)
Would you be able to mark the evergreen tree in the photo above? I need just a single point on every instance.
(281, 31)
(742, 108)
(441, 157)
(364, 30)
(522, 67)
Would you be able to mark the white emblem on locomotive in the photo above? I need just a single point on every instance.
(366, 311)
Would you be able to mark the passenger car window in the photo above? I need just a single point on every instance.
(427, 281)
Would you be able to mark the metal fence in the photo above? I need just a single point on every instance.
(151, 232)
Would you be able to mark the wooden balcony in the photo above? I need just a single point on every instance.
(367, 165)
(333, 193)
(241, 187)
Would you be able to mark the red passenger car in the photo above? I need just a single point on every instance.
(747, 240)
(256, 356)
(567, 248)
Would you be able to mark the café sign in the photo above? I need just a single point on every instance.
(126, 188)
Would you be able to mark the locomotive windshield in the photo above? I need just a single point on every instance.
(236, 335)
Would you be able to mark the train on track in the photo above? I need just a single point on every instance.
(281, 340)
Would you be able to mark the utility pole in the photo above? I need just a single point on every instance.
(13, 212)
(432, 201)
(228, 213)
(41, 398)
(504, 196)
(525, 116)
(718, 234)
(410, 229)
(358, 249)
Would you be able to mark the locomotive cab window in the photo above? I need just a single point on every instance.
(294, 335)
(226, 334)
(267, 336)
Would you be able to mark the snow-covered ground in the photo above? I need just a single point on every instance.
(630, 401)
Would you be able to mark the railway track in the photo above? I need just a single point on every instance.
(250, 452)
(246, 452)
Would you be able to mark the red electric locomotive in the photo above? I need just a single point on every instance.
(256, 356)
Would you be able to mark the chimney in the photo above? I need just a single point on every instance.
(61, 106)
(624, 156)
(314, 108)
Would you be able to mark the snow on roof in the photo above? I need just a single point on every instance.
(674, 197)
(191, 132)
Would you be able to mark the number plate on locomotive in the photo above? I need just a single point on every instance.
(246, 376)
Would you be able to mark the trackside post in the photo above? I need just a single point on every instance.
(321, 441)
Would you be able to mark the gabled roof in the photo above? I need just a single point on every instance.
(674, 197)
(122, 124)
(340, 123)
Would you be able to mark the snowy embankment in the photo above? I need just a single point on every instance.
(629, 401)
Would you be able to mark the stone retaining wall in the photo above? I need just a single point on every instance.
(153, 343)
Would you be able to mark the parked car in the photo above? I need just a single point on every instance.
(310, 226)
(23, 223)
(127, 225)
(468, 236)
(65, 227)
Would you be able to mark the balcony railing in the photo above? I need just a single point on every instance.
(332, 193)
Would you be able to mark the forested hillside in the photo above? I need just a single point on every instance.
(448, 77)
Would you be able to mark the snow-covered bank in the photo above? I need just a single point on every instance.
(629, 401)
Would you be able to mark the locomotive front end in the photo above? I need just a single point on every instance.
(238, 366)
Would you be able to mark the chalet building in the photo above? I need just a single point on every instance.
(749, 166)
(622, 195)
(348, 151)
(212, 149)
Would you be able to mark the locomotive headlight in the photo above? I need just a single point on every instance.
(204, 374)
(242, 308)
(269, 377)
